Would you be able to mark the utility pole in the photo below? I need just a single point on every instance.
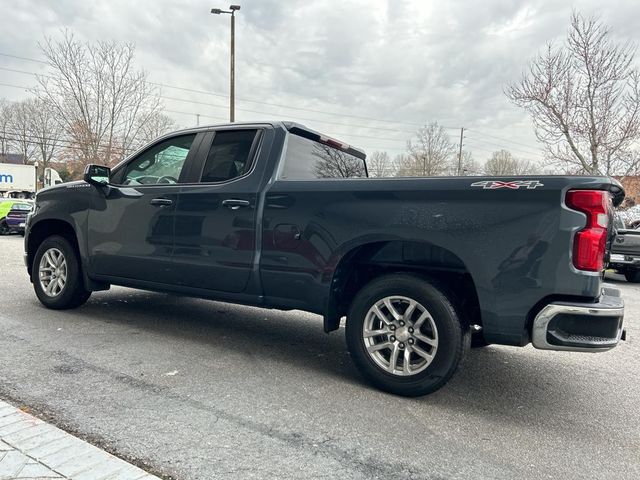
(460, 152)
(232, 75)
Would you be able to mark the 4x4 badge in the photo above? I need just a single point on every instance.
(513, 185)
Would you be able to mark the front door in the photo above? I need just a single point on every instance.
(131, 222)
(216, 217)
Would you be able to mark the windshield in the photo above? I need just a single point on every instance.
(21, 206)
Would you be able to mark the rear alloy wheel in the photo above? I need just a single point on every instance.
(56, 275)
(405, 336)
(400, 335)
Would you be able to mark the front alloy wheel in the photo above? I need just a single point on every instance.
(56, 274)
(52, 272)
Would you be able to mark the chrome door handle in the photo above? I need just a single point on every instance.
(161, 202)
(235, 203)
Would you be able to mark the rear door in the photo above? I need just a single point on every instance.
(215, 229)
(131, 223)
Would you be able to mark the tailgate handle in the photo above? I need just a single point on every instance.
(235, 204)
(161, 202)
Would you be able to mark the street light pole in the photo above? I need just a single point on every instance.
(232, 75)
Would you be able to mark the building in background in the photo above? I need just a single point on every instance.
(631, 184)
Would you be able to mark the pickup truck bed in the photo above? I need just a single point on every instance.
(280, 216)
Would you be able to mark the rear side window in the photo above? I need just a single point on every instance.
(229, 156)
(307, 160)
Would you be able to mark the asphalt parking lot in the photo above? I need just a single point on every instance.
(200, 389)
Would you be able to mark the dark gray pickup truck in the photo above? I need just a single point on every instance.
(279, 216)
(625, 251)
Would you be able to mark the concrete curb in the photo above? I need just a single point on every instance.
(31, 448)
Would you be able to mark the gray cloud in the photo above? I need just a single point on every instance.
(405, 61)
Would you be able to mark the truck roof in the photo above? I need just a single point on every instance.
(292, 127)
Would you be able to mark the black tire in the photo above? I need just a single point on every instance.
(73, 294)
(632, 276)
(453, 338)
(4, 228)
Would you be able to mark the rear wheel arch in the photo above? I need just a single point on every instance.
(425, 260)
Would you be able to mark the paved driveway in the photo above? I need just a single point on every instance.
(200, 389)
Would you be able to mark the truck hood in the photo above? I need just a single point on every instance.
(61, 187)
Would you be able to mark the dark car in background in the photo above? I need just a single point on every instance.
(5, 207)
(17, 216)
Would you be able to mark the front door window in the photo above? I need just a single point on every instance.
(160, 164)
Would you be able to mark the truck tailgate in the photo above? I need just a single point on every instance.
(627, 242)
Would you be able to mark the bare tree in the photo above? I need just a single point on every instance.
(102, 100)
(429, 154)
(379, 165)
(19, 129)
(584, 98)
(332, 163)
(45, 130)
(469, 165)
(502, 162)
(5, 120)
(151, 127)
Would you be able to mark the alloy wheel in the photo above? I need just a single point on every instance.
(52, 272)
(400, 335)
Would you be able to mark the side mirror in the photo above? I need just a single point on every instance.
(97, 174)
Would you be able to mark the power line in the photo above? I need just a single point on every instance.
(503, 147)
(327, 122)
(23, 58)
(215, 105)
(296, 118)
(17, 136)
(300, 118)
(203, 92)
(474, 147)
(503, 139)
(14, 86)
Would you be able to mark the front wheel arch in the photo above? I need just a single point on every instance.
(44, 229)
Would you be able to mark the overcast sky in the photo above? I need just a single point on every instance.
(368, 72)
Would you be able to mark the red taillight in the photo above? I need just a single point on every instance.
(590, 243)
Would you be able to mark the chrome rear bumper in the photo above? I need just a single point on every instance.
(580, 327)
